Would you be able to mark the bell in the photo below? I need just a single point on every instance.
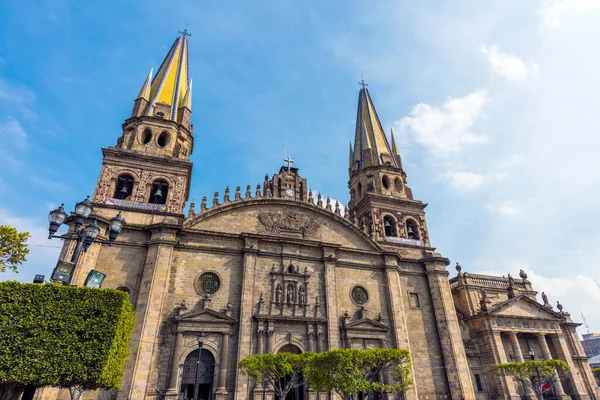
(158, 193)
(410, 230)
(124, 190)
(386, 223)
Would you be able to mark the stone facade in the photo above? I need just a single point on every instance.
(276, 268)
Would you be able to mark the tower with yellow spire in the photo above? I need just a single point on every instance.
(380, 199)
(149, 168)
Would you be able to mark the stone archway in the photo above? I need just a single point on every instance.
(205, 368)
(298, 393)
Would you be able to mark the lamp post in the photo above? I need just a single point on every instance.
(86, 236)
(201, 338)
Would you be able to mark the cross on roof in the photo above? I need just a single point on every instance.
(184, 32)
(362, 82)
(289, 162)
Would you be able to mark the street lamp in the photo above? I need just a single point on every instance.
(86, 236)
(201, 338)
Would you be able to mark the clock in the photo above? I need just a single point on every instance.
(290, 193)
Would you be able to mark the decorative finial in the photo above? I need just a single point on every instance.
(310, 196)
(362, 82)
(559, 306)
(319, 200)
(328, 206)
(226, 195)
(238, 194)
(458, 267)
(257, 194)
(203, 204)
(191, 210)
(248, 192)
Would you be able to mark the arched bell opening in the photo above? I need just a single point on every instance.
(298, 393)
(389, 225)
(124, 187)
(159, 192)
(198, 374)
(412, 230)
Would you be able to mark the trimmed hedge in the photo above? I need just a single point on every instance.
(55, 335)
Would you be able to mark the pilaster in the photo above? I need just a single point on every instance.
(333, 329)
(507, 383)
(242, 385)
(579, 390)
(457, 368)
(149, 313)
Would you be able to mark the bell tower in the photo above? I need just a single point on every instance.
(380, 199)
(149, 167)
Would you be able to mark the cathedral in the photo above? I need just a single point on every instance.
(277, 268)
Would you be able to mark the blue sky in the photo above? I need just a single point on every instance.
(495, 107)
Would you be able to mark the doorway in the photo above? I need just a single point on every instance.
(298, 392)
(205, 367)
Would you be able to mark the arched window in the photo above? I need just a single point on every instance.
(146, 136)
(412, 231)
(390, 226)
(158, 194)
(163, 139)
(386, 182)
(359, 189)
(124, 186)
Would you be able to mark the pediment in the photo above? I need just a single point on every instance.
(524, 307)
(282, 218)
(204, 316)
(366, 324)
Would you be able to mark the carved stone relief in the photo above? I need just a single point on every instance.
(275, 222)
(104, 184)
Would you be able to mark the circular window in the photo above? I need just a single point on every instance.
(208, 283)
(385, 181)
(359, 295)
(398, 184)
(163, 139)
(146, 136)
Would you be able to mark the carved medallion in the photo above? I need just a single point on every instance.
(276, 222)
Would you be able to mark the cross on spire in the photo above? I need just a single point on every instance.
(184, 32)
(289, 162)
(362, 82)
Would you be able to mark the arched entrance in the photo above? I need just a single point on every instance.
(298, 392)
(206, 370)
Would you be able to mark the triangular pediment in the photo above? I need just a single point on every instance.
(205, 315)
(366, 324)
(524, 307)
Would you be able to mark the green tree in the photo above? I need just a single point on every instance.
(13, 249)
(534, 374)
(282, 371)
(64, 336)
(351, 371)
(596, 372)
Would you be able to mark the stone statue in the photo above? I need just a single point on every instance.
(559, 306)
(301, 296)
(511, 282)
(290, 294)
(522, 274)
(278, 293)
(545, 299)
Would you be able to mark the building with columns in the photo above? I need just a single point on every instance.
(276, 268)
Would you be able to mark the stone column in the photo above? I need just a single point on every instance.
(260, 339)
(270, 340)
(222, 388)
(516, 348)
(564, 353)
(319, 339)
(507, 382)
(558, 388)
(309, 339)
(333, 323)
(453, 349)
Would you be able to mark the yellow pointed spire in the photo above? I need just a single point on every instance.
(145, 91)
(186, 101)
(371, 146)
(395, 151)
(171, 81)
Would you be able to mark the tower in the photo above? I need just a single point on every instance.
(380, 199)
(149, 168)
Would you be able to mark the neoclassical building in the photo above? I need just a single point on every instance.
(273, 267)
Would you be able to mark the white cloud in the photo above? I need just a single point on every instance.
(508, 66)
(446, 130)
(510, 209)
(553, 12)
(470, 181)
(512, 160)
(12, 132)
